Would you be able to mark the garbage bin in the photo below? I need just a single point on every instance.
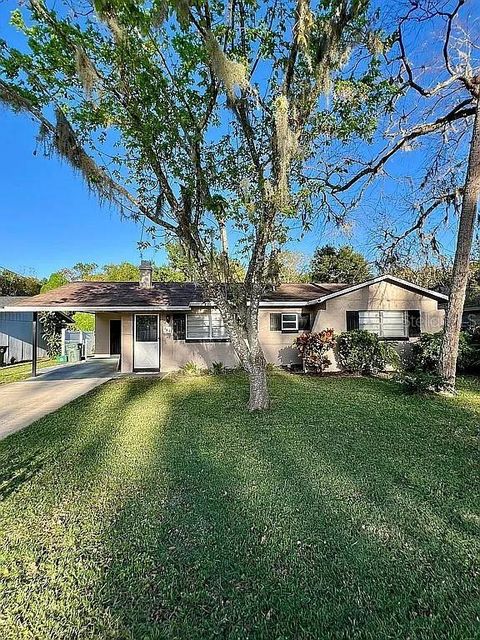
(72, 352)
(81, 353)
(3, 351)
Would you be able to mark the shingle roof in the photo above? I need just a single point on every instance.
(7, 300)
(93, 295)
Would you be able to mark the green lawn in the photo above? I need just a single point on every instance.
(162, 510)
(17, 372)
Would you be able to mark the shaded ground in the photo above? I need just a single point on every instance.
(21, 403)
(161, 509)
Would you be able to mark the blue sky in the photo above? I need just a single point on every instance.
(49, 220)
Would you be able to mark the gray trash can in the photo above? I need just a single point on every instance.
(3, 351)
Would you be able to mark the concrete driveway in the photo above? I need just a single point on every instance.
(21, 403)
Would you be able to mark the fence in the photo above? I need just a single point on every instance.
(71, 340)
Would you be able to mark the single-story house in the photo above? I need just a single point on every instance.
(156, 326)
(16, 330)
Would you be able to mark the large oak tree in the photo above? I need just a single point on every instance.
(208, 119)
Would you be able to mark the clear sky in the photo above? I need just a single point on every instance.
(48, 219)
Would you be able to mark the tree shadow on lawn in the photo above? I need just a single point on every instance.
(298, 523)
(57, 437)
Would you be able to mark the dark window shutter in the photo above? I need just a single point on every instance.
(414, 324)
(178, 326)
(304, 322)
(352, 320)
(275, 322)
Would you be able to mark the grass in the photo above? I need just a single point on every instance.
(162, 510)
(18, 372)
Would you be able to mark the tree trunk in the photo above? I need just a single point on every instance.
(449, 350)
(259, 398)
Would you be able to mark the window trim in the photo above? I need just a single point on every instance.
(210, 338)
(289, 329)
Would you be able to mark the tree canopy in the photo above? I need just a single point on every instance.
(211, 121)
(342, 264)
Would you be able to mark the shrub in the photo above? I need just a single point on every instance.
(191, 368)
(217, 368)
(419, 381)
(313, 348)
(363, 352)
(425, 353)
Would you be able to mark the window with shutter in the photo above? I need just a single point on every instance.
(205, 327)
(304, 322)
(275, 322)
(178, 326)
(414, 328)
(390, 324)
(352, 320)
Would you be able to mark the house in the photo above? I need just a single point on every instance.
(160, 326)
(16, 330)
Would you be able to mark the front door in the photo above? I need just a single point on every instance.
(146, 348)
(115, 337)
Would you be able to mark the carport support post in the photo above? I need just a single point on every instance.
(34, 343)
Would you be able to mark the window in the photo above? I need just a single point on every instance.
(386, 324)
(178, 322)
(205, 326)
(275, 322)
(146, 328)
(289, 322)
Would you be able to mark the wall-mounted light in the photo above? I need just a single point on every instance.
(167, 318)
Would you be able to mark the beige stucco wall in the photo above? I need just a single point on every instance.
(175, 353)
(277, 346)
(102, 332)
(382, 296)
(126, 361)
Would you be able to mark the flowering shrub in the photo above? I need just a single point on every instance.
(313, 348)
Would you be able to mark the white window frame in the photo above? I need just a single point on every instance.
(287, 329)
(381, 323)
(210, 337)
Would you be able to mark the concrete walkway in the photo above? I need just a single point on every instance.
(21, 403)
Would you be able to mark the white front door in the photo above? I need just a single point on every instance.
(146, 348)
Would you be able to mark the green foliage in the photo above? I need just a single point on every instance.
(54, 281)
(14, 284)
(217, 368)
(419, 381)
(51, 327)
(122, 272)
(435, 277)
(290, 266)
(425, 353)
(364, 353)
(344, 265)
(84, 321)
(313, 349)
(191, 368)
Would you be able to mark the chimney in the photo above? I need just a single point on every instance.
(146, 274)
